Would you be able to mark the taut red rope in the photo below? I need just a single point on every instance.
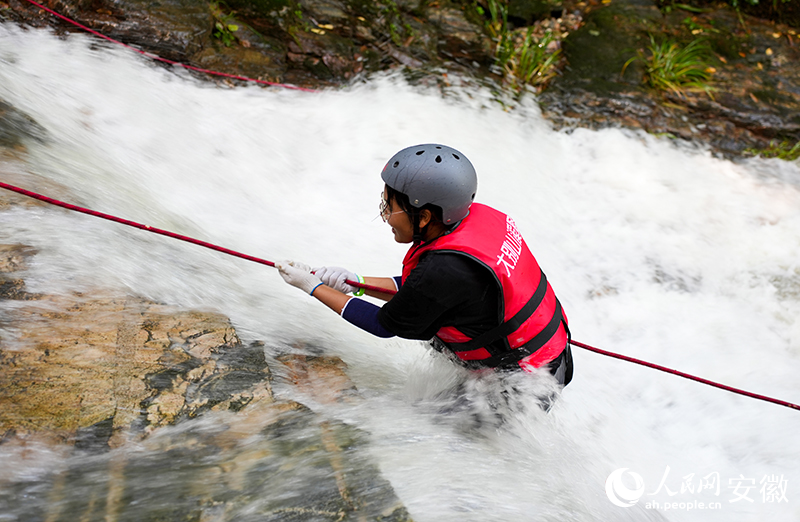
(373, 288)
(686, 375)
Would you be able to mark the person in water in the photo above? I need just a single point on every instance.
(469, 284)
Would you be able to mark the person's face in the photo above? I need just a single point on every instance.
(402, 228)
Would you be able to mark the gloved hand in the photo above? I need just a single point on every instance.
(299, 275)
(335, 277)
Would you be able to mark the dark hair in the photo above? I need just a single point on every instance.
(414, 212)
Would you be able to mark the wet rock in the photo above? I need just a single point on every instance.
(15, 257)
(269, 462)
(453, 24)
(597, 52)
(73, 362)
(16, 127)
(173, 29)
(322, 379)
(327, 12)
(461, 39)
(732, 119)
(327, 55)
(14, 289)
(239, 49)
(210, 439)
(135, 410)
(317, 43)
(524, 13)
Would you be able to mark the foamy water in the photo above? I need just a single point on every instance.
(656, 251)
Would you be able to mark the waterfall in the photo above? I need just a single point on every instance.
(656, 249)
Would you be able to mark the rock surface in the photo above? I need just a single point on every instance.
(322, 43)
(756, 78)
(133, 410)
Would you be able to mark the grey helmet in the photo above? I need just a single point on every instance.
(436, 174)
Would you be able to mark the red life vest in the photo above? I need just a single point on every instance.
(531, 320)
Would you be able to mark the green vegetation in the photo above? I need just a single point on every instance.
(668, 5)
(531, 62)
(671, 67)
(223, 25)
(783, 150)
(399, 29)
(519, 55)
(671, 6)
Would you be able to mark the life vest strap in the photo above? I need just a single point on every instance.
(512, 357)
(507, 328)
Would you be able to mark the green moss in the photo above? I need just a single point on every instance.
(729, 45)
(262, 7)
(529, 11)
(784, 150)
(773, 96)
(364, 8)
(600, 49)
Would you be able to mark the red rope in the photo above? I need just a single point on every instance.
(686, 375)
(205, 244)
(170, 62)
(167, 233)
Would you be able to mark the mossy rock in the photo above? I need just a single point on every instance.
(260, 7)
(523, 13)
(16, 127)
(598, 52)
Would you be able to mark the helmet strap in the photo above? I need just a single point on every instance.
(417, 238)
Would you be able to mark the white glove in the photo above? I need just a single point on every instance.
(335, 277)
(299, 275)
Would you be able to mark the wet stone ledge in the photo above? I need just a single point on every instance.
(133, 410)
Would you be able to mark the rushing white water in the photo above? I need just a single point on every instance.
(656, 251)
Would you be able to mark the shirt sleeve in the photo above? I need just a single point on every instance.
(364, 315)
(443, 289)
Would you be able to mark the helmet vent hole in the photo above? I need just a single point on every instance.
(438, 147)
(456, 156)
(438, 159)
(396, 163)
(420, 153)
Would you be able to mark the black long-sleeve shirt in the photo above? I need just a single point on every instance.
(444, 289)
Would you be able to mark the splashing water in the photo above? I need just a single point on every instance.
(656, 251)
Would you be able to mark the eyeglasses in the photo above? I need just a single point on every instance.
(385, 209)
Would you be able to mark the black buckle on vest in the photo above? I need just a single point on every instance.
(510, 358)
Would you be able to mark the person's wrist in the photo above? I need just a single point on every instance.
(360, 290)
